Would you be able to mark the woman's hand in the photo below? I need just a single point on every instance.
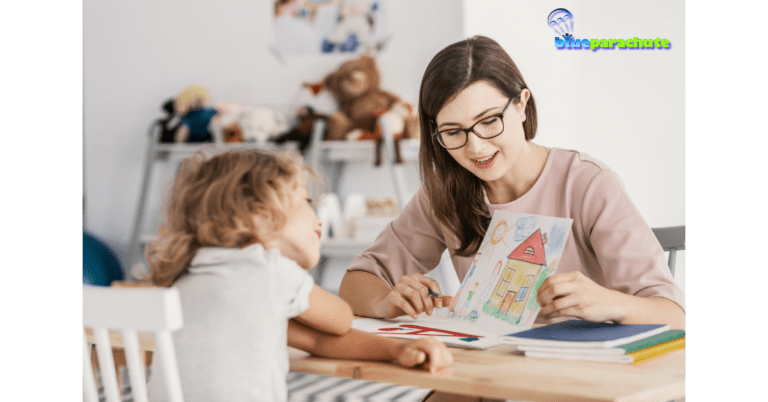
(428, 352)
(574, 295)
(411, 296)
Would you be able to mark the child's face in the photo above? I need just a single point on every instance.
(300, 238)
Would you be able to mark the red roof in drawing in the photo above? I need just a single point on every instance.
(531, 250)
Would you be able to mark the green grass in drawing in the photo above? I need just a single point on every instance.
(493, 311)
(532, 303)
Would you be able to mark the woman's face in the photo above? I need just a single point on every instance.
(488, 159)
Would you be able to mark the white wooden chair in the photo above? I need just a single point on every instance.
(672, 239)
(130, 310)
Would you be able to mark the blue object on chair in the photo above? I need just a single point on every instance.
(100, 267)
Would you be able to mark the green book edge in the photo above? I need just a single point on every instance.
(653, 340)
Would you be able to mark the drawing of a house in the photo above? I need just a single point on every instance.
(519, 275)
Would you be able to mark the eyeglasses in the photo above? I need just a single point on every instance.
(487, 128)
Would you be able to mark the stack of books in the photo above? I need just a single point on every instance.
(583, 340)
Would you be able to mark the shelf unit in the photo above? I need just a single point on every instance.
(361, 151)
(328, 157)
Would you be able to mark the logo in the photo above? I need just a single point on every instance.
(561, 21)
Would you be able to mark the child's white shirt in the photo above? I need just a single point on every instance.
(233, 345)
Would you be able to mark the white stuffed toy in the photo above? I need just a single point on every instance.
(257, 123)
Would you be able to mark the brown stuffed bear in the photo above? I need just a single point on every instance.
(363, 106)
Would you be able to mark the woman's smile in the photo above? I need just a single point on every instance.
(485, 162)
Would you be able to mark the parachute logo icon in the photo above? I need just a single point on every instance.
(561, 20)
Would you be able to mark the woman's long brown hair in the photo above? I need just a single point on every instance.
(455, 194)
(213, 203)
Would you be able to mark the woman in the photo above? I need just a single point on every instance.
(478, 120)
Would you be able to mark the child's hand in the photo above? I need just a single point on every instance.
(428, 351)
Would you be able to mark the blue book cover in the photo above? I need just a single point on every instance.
(584, 334)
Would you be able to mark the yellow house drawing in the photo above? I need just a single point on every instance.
(519, 275)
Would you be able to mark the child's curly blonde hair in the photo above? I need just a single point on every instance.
(214, 202)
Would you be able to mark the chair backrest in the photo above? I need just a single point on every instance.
(672, 239)
(130, 310)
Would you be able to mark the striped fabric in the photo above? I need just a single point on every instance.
(304, 387)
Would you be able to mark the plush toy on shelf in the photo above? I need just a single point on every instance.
(192, 104)
(244, 123)
(364, 106)
(301, 130)
(169, 124)
(232, 133)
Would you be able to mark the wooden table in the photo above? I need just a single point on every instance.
(500, 373)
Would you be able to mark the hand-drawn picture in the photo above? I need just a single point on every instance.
(500, 230)
(410, 329)
(487, 286)
(448, 330)
(464, 282)
(463, 310)
(523, 266)
(485, 291)
(518, 252)
(305, 27)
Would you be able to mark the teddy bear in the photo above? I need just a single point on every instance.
(363, 106)
(301, 130)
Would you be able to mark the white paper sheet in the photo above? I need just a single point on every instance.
(518, 252)
(449, 331)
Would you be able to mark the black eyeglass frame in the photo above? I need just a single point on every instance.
(472, 129)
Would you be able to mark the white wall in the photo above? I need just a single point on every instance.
(139, 53)
(623, 107)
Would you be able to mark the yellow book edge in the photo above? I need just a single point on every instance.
(657, 350)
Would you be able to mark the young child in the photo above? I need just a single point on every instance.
(240, 234)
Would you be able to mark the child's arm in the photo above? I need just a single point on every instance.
(326, 313)
(355, 344)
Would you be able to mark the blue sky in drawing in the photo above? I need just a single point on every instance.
(524, 227)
